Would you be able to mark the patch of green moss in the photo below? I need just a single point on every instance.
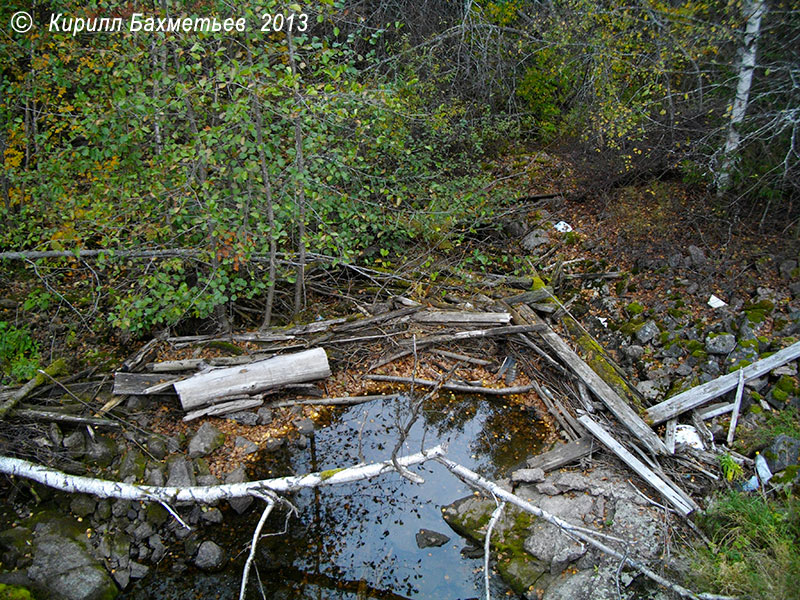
(779, 395)
(676, 313)
(631, 327)
(739, 365)
(756, 313)
(225, 346)
(700, 355)
(635, 308)
(12, 592)
(325, 475)
(786, 384)
(693, 345)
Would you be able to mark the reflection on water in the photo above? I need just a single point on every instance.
(358, 541)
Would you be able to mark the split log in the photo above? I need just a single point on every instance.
(563, 454)
(682, 503)
(447, 317)
(453, 387)
(618, 407)
(222, 384)
(701, 394)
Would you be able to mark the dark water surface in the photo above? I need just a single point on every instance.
(358, 540)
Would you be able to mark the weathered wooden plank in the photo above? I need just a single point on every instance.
(532, 296)
(618, 407)
(737, 405)
(225, 408)
(446, 317)
(563, 455)
(715, 410)
(463, 357)
(701, 394)
(51, 415)
(387, 316)
(669, 435)
(475, 333)
(145, 353)
(137, 383)
(220, 384)
(191, 364)
(645, 472)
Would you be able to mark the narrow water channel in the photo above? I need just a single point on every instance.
(359, 541)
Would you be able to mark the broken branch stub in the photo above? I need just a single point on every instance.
(220, 384)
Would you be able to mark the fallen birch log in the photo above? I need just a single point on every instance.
(582, 533)
(701, 394)
(453, 387)
(222, 384)
(204, 494)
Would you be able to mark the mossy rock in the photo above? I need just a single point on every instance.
(631, 327)
(469, 518)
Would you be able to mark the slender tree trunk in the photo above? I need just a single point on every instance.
(155, 55)
(753, 10)
(267, 184)
(300, 193)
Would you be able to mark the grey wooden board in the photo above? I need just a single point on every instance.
(679, 503)
(619, 408)
(562, 455)
(715, 410)
(533, 296)
(701, 394)
(669, 435)
(137, 383)
(459, 316)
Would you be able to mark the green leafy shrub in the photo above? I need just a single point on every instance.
(19, 353)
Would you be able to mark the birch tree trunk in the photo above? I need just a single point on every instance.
(753, 10)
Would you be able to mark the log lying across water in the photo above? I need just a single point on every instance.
(220, 384)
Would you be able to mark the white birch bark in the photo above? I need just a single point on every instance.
(753, 10)
(204, 494)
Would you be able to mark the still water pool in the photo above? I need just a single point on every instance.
(359, 540)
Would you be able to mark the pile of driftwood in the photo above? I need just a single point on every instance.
(504, 337)
(511, 334)
(287, 361)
